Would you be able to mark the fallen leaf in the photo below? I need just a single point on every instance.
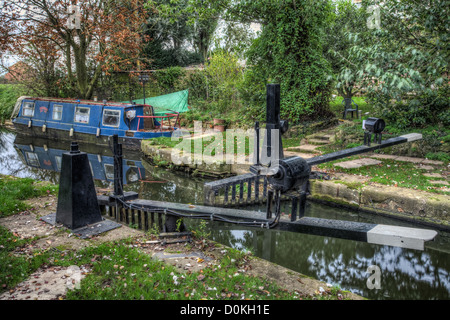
(201, 277)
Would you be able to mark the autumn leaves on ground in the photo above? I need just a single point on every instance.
(38, 261)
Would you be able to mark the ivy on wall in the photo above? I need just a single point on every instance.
(289, 52)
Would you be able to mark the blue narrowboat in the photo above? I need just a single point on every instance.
(91, 121)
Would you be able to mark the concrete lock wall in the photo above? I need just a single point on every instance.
(162, 156)
(398, 202)
(401, 203)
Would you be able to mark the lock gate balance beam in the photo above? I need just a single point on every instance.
(412, 238)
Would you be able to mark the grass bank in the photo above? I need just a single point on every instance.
(14, 190)
(125, 270)
(393, 173)
(209, 144)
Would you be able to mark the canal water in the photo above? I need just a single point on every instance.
(404, 273)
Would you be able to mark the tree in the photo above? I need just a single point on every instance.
(410, 51)
(407, 61)
(288, 51)
(347, 19)
(88, 37)
(168, 27)
(234, 37)
(203, 35)
(201, 16)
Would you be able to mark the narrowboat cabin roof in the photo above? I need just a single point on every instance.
(80, 101)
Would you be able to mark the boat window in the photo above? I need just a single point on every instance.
(28, 109)
(57, 112)
(32, 159)
(111, 118)
(82, 114)
(109, 171)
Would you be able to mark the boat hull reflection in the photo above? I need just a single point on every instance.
(47, 154)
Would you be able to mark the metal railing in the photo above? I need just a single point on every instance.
(240, 190)
(167, 116)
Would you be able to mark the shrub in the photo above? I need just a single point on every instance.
(419, 112)
(169, 79)
(9, 94)
(223, 75)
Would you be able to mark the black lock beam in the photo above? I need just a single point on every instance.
(363, 149)
(396, 236)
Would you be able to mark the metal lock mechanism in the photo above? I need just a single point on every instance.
(289, 174)
(373, 126)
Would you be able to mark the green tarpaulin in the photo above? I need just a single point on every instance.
(177, 101)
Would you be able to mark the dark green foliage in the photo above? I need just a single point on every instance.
(9, 93)
(167, 38)
(196, 82)
(169, 78)
(165, 58)
(253, 95)
(289, 51)
(175, 23)
(406, 62)
(420, 111)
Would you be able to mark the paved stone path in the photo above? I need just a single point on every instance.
(309, 147)
(352, 164)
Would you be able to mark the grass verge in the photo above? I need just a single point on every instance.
(120, 270)
(123, 270)
(209, 145)
(15, 265)
(14, 190)
(391, 173)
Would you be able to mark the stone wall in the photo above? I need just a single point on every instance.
(162, 156)
(402, 203)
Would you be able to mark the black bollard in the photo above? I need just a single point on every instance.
(77, 198)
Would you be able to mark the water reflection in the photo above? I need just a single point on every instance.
(405, 274)
(43, 157)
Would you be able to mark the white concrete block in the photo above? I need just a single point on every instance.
(403, 237)
(412, 136)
